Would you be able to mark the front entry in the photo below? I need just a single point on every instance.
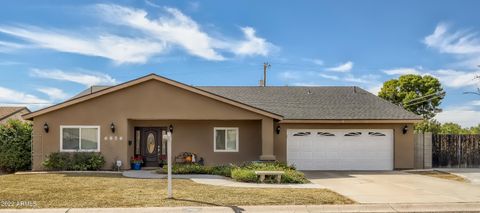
(151, 147)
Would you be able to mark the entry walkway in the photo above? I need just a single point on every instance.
(216, 180)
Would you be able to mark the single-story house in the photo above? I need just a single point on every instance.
(9, 112)
(314, 128)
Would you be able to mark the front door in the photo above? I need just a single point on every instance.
(150, 148)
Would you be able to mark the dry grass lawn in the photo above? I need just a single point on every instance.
(112, 190)
(441, 174)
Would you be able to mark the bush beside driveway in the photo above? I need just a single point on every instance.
(82, 190)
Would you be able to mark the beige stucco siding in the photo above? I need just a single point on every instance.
(403, 143)
(150, 100)
(197, 137)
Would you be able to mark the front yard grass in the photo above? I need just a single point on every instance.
(76, 190)
(441, 174)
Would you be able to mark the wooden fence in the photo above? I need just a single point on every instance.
(456, 151)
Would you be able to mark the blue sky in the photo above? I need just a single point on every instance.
(51, 50)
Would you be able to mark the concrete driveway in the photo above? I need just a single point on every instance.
(395, 187)
(471, 174)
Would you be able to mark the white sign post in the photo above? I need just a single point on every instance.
(169, 165)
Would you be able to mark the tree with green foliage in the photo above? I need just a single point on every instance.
(431, 125)
(474, 129)
(15, 145)
(452, 128)
(407, 89)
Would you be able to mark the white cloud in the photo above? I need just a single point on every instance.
(84, 78)
(10, 46)
(402, 71)
(174, 27)
(12, 97)
(53, 93)
(463, 116)
(375, 89)
(463, 43)
(331, 77)
(460, 42)
(116, 48)
(315, 61)
(456, 79)
(252, 45)
(448, 77)
(147, 37)
(475, 103)
(345, 67)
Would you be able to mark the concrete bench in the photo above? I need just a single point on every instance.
(262, 175)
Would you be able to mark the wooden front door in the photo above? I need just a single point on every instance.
(150, 145)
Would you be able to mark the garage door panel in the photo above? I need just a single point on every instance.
(342, 149)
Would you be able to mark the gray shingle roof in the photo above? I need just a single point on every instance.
(315, 102)
(326, 102)
(90, 90)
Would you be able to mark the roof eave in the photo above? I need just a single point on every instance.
(31, 115)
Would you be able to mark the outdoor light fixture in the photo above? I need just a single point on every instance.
(278, 130)
(170, 128)
(405, 129)
(45, 127)
(112, 127)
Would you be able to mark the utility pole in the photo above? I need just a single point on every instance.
(265, 66)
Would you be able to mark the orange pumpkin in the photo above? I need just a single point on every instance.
(188, 159)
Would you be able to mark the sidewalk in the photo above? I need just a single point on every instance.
(450, 207)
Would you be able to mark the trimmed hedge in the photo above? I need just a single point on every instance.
(244, 172)
(15, 146)
(77, 161)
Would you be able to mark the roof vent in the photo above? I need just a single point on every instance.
(354, 89)
(309, 92)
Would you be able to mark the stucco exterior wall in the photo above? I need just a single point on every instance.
(197, 137)
(151, 100)
(403, 143)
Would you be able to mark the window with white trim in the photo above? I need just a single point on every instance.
(225, 139)
(79, 138)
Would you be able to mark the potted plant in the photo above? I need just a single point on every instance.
(136, 162)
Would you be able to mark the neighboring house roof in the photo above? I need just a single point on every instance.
(102, 91)
(319, 103)
(280, 102)
(6, 112)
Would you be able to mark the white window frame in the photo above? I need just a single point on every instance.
(79, 138)
(215, 139)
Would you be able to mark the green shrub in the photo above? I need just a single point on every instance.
(15, 146)
(58, 161)
(244, 175)
(190, 168)
(293, 176)
(223, 170)
(244, 172)
(78, 161)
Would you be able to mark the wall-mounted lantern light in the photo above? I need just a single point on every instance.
(170, 128)
(405, 129)
(45, 127)
(278, 130)
(112, 127)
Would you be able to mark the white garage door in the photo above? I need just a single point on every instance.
(340, 149)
